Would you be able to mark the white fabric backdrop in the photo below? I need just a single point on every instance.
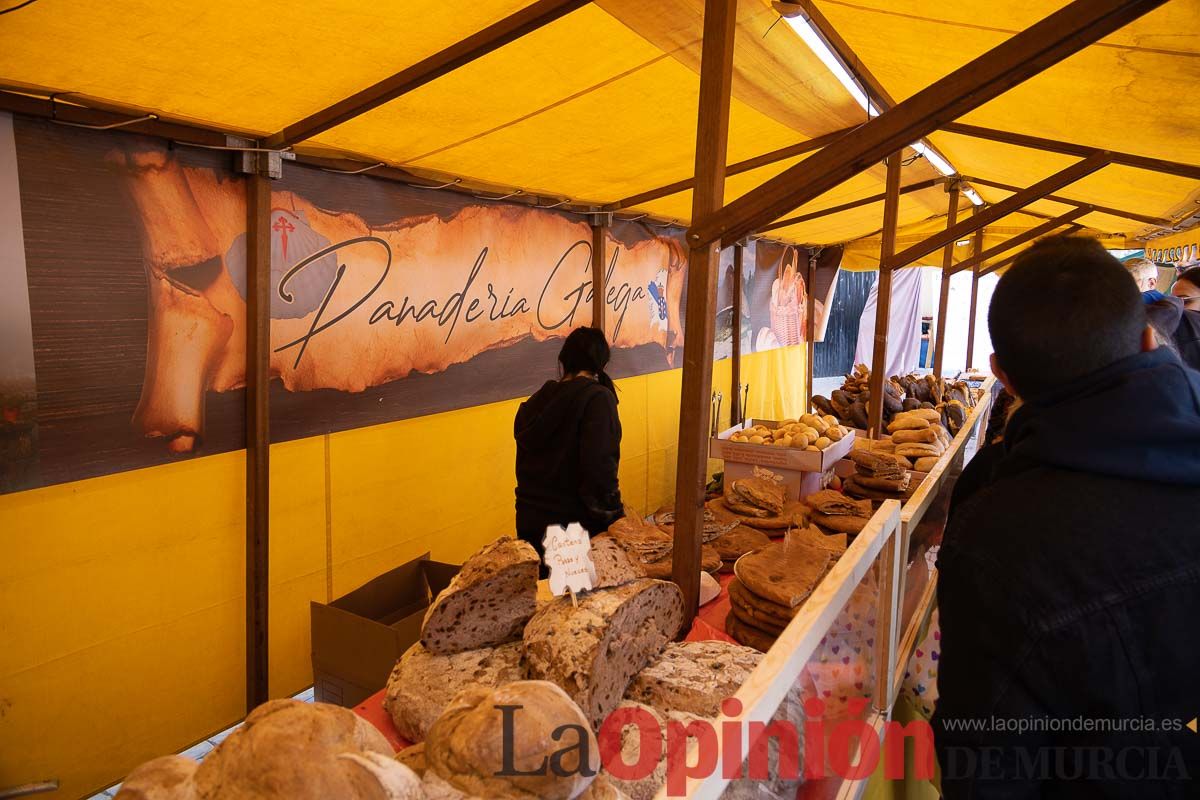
(904, 324)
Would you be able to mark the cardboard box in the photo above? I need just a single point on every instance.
(357, 639)
(803, 471)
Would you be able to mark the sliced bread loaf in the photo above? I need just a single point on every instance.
(488, 602)
(693, 677)
(594, 649)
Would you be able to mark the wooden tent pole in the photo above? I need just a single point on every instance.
(791, 151)
(1067, 148)
(883, 299)
(939, 342)
(1010, 63)
(477, 45)
(810, 330)
(1116, 212)
(976, 259)
(258, 435)
(599, 237)
(994, 213)
(712, 136)
(735, 372)
(977, 251)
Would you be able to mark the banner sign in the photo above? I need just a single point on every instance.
(387, 301)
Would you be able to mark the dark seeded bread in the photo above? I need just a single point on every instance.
(693, 677)
(593, 651)
(423, 683)
(613, 564)
(488, 602)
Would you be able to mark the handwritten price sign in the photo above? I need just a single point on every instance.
(569, 557)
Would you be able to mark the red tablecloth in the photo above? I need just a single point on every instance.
(708, 625)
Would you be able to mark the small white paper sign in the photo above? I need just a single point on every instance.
(569, 557)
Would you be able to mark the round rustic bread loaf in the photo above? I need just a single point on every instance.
(166, 778)
(594, 649)
(379, 777)
(466, 747)
(487, 603)
(290, 749)
(422, 683)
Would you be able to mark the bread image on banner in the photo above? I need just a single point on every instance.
(358, 304)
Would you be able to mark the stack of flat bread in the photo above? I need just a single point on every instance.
(836, 512)
(650, 547)
(761, 502)
(878, 476)
(772, 583)
(714, 525)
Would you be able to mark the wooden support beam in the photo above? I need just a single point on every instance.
(782, 154)
(1116, 212)
(1004, 262)
(735, 324)
(866, 201)
(712, 137)
(599, 237)
(977, 251)
(493, 37)
(994, 213)
(939, 343)
(1067, 148)
(1012, 62)
(810, 329)
(979, 258)
(883, 299)
(258, 434)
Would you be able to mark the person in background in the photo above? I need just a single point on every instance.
(569, 444)
(1168, 314)
(1069, 584)
(1187, 289)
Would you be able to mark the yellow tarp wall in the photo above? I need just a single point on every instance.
(123, 629)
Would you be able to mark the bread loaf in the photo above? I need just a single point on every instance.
(784, 573)
(423, 683)
(693, 677)
(593, 650)
(488, 602)
(613, 564)
(290, 749)
(925, 463)
(466, 747)
(378, 777)
(166, 778)
(413, 758)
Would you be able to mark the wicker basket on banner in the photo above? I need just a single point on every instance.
(788, 300)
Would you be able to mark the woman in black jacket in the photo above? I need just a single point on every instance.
(569, 445)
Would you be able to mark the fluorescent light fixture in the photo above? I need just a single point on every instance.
(962, 242)
(935, 158)
(972, 195)
(817, 44)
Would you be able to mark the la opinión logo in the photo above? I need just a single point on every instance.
(849, 747)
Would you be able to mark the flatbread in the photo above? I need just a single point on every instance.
(772, 614)
(747, 635)
(743, 509)
(883, 484)
(761, 492)
(835, 543)
(710, 562)
(784, 572)
(739, 541)
(834, 503)
(748, 617)
(840, 524)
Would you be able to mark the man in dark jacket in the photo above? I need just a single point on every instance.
(1069, 584)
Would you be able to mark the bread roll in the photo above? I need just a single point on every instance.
(488, 602)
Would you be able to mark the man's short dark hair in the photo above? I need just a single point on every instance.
(1064, 309)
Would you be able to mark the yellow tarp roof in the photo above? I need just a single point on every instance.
(601, 104)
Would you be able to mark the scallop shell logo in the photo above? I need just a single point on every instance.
(292, 240)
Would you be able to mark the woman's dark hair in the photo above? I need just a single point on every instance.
(586, 350)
